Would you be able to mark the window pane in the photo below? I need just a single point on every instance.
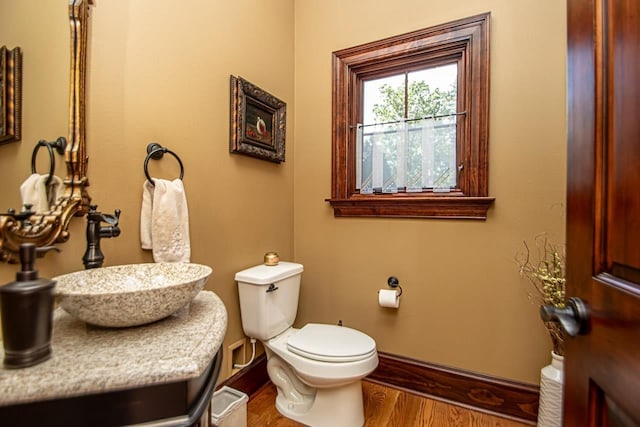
(433, 91)
(364, 163)
(417, 165)
(380, 156)
(416, 154)
(392, 144)
(443, 154)
(383, 99)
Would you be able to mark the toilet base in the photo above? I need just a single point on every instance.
(331, 407)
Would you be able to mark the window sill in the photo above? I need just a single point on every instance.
(401, 205)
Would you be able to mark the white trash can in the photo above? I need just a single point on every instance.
(229, 408)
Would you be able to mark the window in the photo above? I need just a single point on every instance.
(410, 124)
(407, 139)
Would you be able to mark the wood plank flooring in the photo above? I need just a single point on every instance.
(384, 406)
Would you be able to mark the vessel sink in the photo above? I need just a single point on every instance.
(130, 295)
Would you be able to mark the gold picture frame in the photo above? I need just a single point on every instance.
(257, 122)
(10, 94)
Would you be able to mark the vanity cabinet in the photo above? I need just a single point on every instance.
(161, 374)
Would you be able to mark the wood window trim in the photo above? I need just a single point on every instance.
(465, 41)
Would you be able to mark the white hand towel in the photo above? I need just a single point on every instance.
(55, 190)
(164, 221)
(34, 192)
(145, 215)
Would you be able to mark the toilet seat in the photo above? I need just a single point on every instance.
(331, 343)
(318, 373)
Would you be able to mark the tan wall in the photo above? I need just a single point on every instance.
(159, 71)
(464, 304)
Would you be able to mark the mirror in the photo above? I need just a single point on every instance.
(51, 227)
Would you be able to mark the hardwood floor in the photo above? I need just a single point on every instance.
(384, 406)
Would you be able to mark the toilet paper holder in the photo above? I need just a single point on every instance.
(393, 282)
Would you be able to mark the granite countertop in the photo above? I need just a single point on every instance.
(89, 359)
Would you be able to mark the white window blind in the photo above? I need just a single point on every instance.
(409, 155)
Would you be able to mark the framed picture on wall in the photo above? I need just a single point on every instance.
(257, 122)
(10, 94)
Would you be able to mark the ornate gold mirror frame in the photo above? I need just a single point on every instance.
(47, 228)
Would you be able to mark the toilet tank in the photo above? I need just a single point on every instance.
(268, 298)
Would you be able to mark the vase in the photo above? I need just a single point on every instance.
(551, 382)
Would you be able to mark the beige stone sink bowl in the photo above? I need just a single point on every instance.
(130, 295)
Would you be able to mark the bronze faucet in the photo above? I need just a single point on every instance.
(94, 257)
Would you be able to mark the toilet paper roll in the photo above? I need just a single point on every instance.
(388, 298)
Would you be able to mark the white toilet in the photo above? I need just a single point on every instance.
(317, 369)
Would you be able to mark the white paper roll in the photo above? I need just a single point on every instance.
(388, 298)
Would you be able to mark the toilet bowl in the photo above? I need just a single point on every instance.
(325, 367)
(318, 368)
(320, 387)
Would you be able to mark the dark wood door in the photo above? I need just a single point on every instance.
(602, 384)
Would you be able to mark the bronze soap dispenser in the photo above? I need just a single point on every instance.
(27, 313)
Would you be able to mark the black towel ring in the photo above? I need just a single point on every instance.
(59, 144)
(156, 151)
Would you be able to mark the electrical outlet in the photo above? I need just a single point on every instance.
(237, 354)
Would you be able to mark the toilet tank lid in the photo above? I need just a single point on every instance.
(267, 274)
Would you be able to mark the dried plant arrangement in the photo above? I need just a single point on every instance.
(543, 265)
